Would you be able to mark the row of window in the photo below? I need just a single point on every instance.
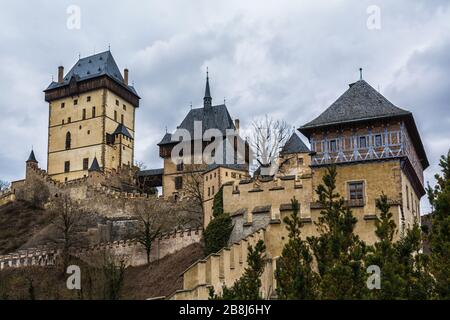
(85, 165)
(88, 99)
(363, 142)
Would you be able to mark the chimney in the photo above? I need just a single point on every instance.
(237, 124)
(60, 74)
(125, 76)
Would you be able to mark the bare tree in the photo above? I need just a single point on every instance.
(141, 165)
(4, 185)
(150, 215)
(67, 221)
(193, 188)
(268, 138)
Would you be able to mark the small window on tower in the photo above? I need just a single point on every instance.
(180, 166)
(117, 102)
(69, 120)
(362, 142)
(75, 102)
(85, 163)
(62, 121)
(88, 99)
(93, 112)
(300, 161)
(121, 119)
(62, 105)
(333, 146)
(124, 107)
(378, 140)
(68, 140)
(178, 183)
(115, 115)
(356, 193)
(84, 114)
(67, 166)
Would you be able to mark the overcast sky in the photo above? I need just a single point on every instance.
(289, 59)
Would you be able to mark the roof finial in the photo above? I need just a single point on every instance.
(224, 100)
(207, 100)
(360, 73)
(166, 129)
(109, 46)
(191, 105)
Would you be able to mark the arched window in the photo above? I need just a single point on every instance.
(68, 140)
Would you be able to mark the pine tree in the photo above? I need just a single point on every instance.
(295, 277)
(404, 270)
(248, 286)
(218, 231)
(439, 237)
(338, 251)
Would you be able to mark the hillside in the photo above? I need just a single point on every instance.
(48, 283)
(19, 221)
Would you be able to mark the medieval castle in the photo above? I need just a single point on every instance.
(374, 144)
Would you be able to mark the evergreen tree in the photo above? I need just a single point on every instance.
(338, 251)
(218, 231)
(294, 274)
(248, 286)
(439, 237)
(404, 270)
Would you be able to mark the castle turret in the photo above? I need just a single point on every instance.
(31, 163)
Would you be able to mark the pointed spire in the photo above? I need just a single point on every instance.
(360, 73)
(207, 100)
(32, 158)
(95, 166)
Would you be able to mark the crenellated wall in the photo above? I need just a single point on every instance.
(254, 203)
(132, 250)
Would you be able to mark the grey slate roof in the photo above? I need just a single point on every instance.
(97, 65)
(121, 129)
(359, 102)
(215, 117)
(294, 145)
(235, 166)
(94, 166)
(167, 139)
(150, 172)
(32, 158)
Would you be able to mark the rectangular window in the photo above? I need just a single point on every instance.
(85, 163)
(117, 102)
(212, 190)
(124, 107)
(75, 102)
(362, 142)
(180, 167)
(178, 183)
(69, 120)
(62, 121)
(333, 146)
(356, 193)
(378, 140)
(84, 114)
(121, 119)
(300, 161)
(93, 112)
(209, 191)
(88, 99)
(115, 115)
(67, 166)
(62, 105)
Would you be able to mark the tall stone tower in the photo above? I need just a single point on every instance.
(91, 115)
